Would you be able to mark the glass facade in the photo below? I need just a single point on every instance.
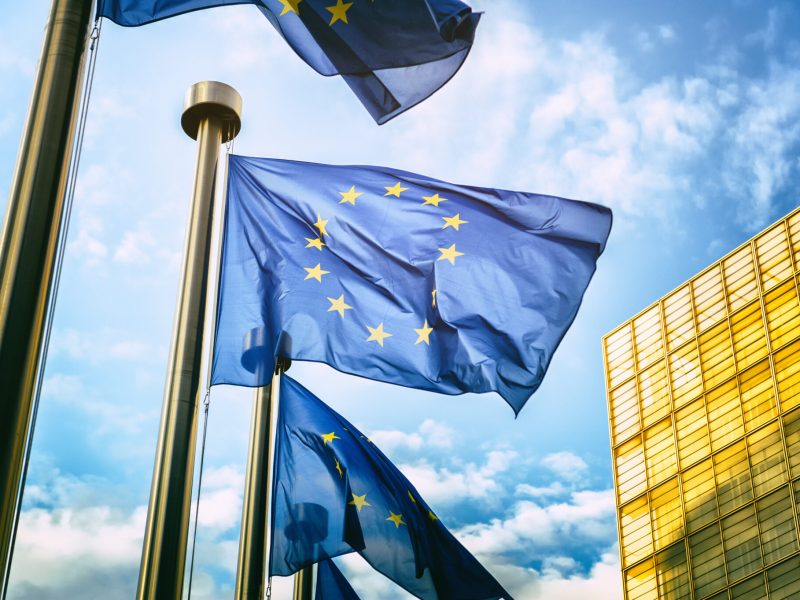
(704, 410)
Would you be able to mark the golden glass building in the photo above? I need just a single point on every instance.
(704, 410)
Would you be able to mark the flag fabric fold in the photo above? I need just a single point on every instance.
(331, 584)
(335, 492)
(393, 55)
(398, 277)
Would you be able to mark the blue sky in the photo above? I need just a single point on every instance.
(683, 117)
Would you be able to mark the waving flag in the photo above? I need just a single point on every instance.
(331, 584)
(335, 492)
(399, 277)
(392, 54)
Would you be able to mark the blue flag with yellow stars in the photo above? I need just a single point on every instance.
(392, 54)
(335, 492)
(331, 584)
(398, 277)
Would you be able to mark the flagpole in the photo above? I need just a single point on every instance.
(211, 116)
(251, 567)
(30, 238)
(304, 583)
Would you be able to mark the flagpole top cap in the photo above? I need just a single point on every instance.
(212, 99)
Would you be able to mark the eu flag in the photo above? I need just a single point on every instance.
(335, 492)
(392, 54)
(398, 277)
(331, 584)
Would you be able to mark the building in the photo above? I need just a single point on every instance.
(704, 407)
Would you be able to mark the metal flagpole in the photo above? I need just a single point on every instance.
(304, 583)
(211, 116)
(30, 239)
(251, 567)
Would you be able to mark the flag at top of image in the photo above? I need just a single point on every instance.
(392, 54)
(398, 277)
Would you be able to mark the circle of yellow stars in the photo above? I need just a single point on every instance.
(359, 501)
(351, 195)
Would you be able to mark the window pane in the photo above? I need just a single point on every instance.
(773, 256)
(758, 396)
(716, 355)
(692, 432)
(787, 374)
(624, 407)
(709, 302)
(647, 329)
(742, 553)
(740, 278)
(724, 415)
(678, 318)
(794, 234)
(654, 392)
(665, 506)
(631, 479)
(640, 582)
(783, 580)
(673, 572)
(749, 335)
(766, 459)
(659, 449)
(637, 540)
(699, 495)
(733, 477)
(619, 356)
(783, 314)
(750, 589)
(791, 431)
(684, 369)
(708, 565)
(776, 520)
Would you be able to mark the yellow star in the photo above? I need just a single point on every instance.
(377, 334)
(338, 467)
(338, 305)
(329, 437)
(289, 6)
(350, 195)
(315, 243)
(394, 190)
(396, 519)
(359, 502)
(453, 222)
(433, 296)
(410, 495)
(450, 254)
(339, 11)
(320, 224)
(315, 273)
(434, 200)
(424, 334)
(432, 516)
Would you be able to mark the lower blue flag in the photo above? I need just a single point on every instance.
(334, 492)
(331, 584)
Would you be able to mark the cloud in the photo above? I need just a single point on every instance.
(430, 433)
(566, 465)
(442, 485)
(135, 247)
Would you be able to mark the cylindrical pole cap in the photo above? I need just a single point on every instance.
(207, 99)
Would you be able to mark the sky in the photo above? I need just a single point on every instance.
(682, 117)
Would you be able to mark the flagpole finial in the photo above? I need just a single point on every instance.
(212, 98)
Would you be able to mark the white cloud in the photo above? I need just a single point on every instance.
(135, 247)
(588, 517)
(430, 434)
(566, 465)
(442, 485)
